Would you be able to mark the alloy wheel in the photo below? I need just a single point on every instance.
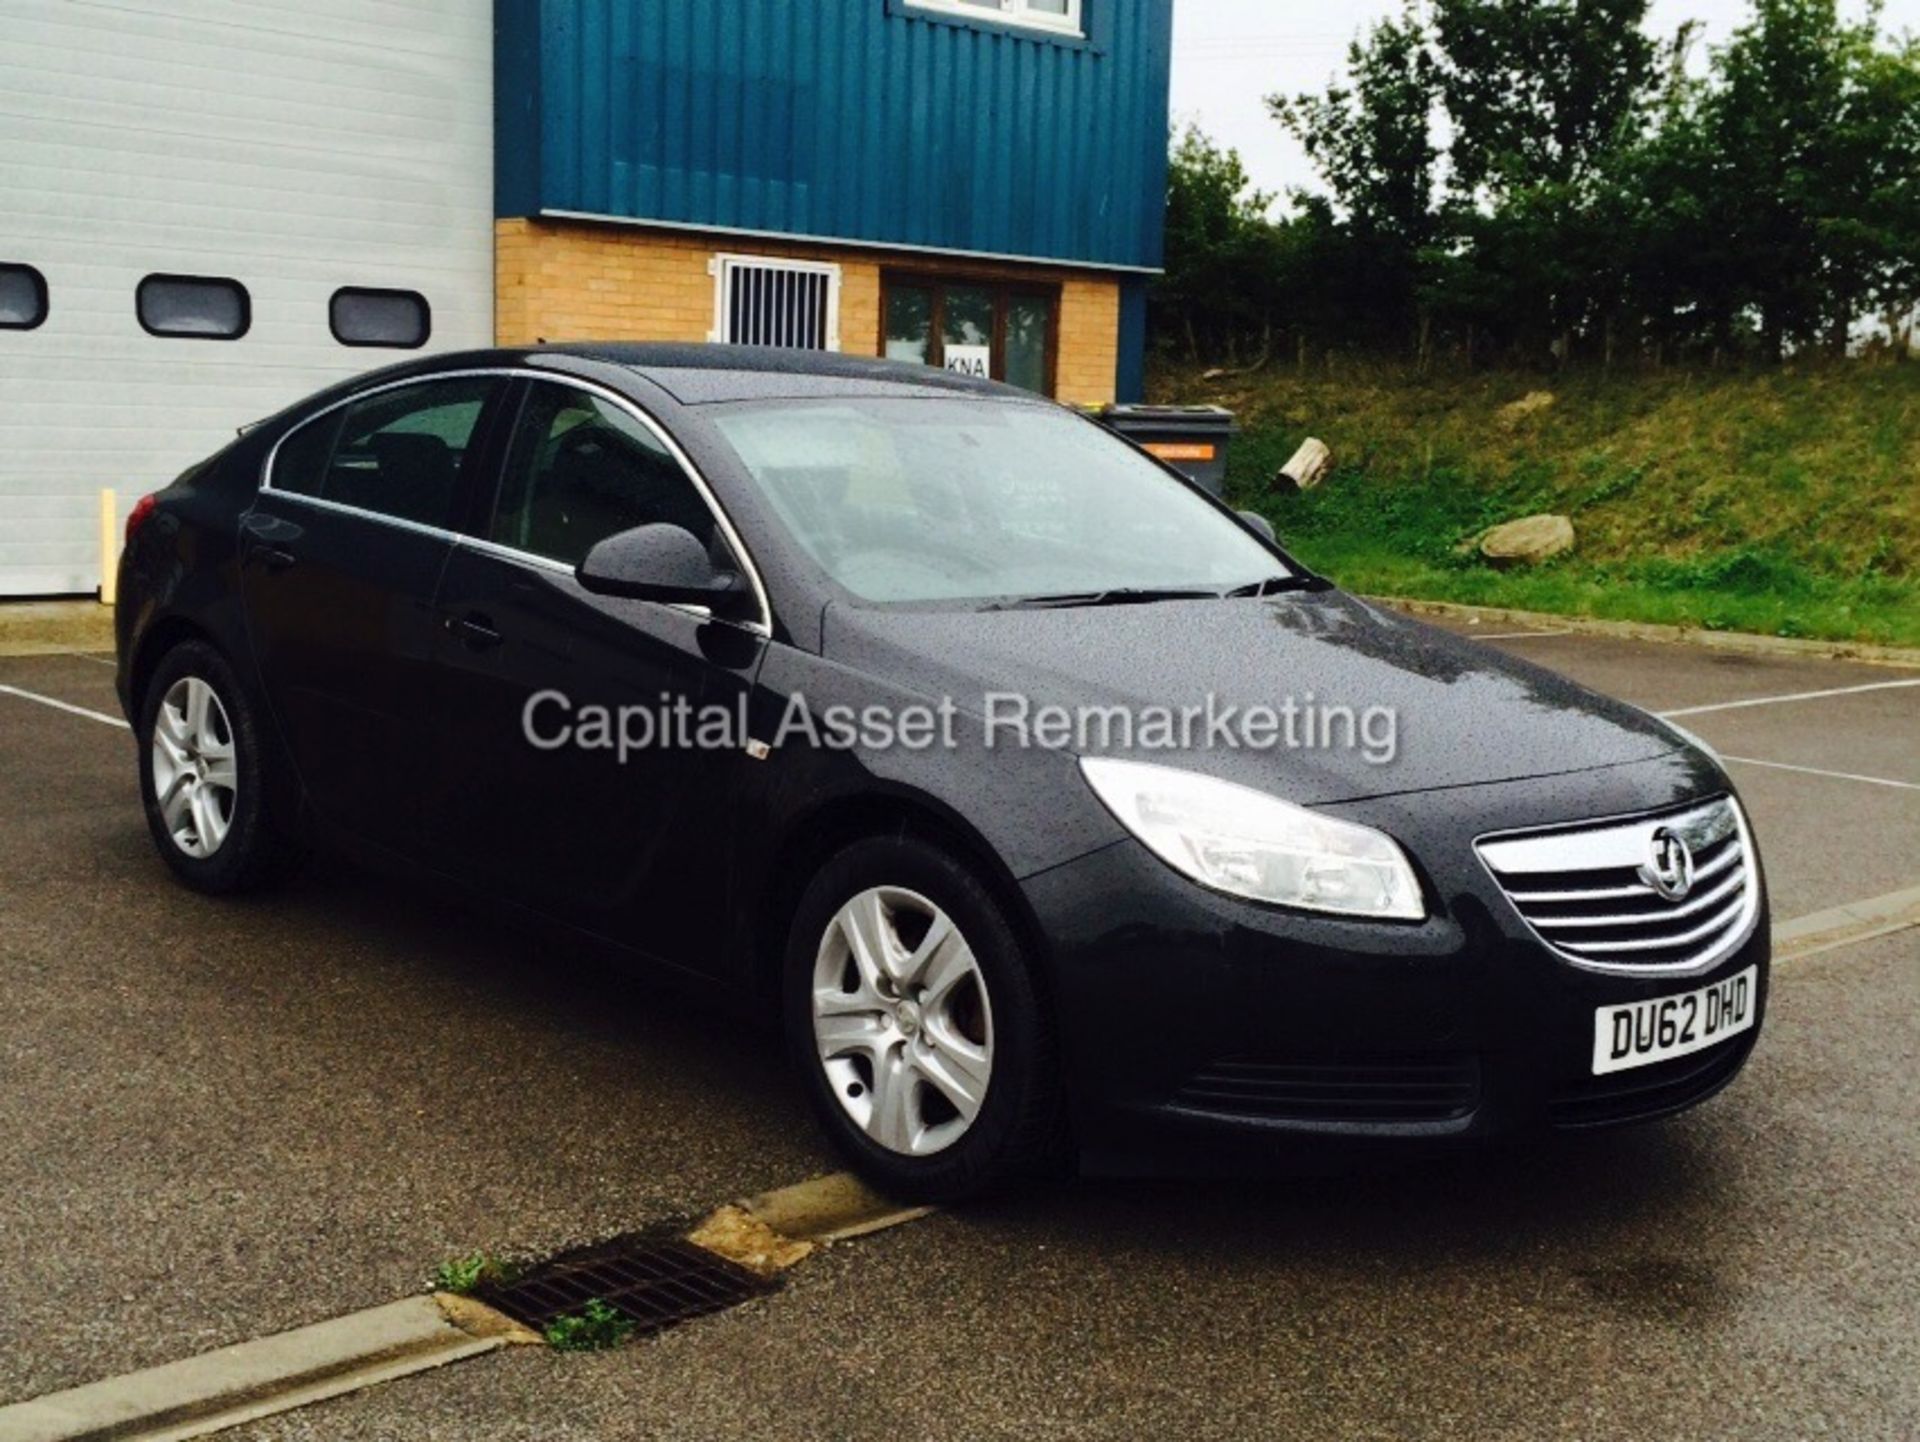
(902, 1021)
(195, 775)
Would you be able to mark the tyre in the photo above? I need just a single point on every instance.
(911, 1010)
(203, 775)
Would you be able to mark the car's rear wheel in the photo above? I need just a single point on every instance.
(912, 1011)
(203, 775)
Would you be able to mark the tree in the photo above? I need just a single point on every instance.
(1540, 92)
(1593, 197)
(1372, 141)
(1818, 133)
(1221, 250)
(1874, 238)
(1544, 98)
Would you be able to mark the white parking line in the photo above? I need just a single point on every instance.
(1817, 771)
(89, 656)
(1512, 635)
(100, 716)
(1790, 696)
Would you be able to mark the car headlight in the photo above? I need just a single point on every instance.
(1250, 844)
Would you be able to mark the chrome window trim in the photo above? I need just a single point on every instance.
(1601, 843)
(531, 559)
(761, 626)
(341, 508)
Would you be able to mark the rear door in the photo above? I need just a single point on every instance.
(631, 846)
(340, 555)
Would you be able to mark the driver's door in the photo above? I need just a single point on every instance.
(622, 847)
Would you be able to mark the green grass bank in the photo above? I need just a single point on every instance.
(1782, 503)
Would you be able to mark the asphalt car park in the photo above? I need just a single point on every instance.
(227, 1119)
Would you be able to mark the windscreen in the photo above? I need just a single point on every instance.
(953, 500)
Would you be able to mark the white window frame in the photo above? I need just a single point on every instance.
(722, 268)
(1013, 12)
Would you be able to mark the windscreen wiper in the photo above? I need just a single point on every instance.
(1113, 596)
(1274, 585)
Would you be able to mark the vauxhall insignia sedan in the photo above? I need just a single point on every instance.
(1055, 812)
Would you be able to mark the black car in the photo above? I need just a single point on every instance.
(1056, 810)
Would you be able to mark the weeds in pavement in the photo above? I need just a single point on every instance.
(462, 1274)
(594, 1328)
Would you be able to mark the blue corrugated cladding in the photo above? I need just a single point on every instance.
(862, 120)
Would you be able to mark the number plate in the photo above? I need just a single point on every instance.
(1643, 1032)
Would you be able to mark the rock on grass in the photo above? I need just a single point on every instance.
(1528, 541)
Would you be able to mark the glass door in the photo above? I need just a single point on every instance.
(993, 330)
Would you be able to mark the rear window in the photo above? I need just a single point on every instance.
(193, 307)
(362, 315)
(23, 297)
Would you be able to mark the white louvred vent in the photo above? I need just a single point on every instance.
(760, 301)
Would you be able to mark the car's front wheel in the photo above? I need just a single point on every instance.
(912, 1010)
(202, 775)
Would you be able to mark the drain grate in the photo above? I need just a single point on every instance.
(653, 1281)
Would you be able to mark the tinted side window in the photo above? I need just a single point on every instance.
(581, 469)
(398, 453)
(300, 465)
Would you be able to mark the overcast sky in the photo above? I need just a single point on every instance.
(1228, 55)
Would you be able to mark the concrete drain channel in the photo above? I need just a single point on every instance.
(591, 1297)
(652, 1281)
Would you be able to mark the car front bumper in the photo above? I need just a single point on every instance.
(1202, 1031)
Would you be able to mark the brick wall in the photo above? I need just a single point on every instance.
(570, 280)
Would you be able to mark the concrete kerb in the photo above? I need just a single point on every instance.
(1738, 642)
(44, 628)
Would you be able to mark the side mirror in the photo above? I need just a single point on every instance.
(1259, 525)
(664, 563)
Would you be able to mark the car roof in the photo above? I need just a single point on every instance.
(714, 374)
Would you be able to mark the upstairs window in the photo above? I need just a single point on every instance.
(361, 315)
(776, 302)
(23, 296)
(195, 307)
(1062, 17)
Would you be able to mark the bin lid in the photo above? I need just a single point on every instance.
(1208, 420)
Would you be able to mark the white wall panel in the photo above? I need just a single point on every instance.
(297, 147)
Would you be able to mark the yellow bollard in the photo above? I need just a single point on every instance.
(109, 546)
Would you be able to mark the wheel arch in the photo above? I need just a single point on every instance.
(163, 636)
(170, 631)
(832, 826)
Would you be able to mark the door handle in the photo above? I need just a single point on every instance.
(474, 630)
(264, 538)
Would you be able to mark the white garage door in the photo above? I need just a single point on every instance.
(294, 148)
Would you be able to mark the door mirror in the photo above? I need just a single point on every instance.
(665, 563)
(1259, 525)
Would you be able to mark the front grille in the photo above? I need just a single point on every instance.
(1646, 1092)
(1588, 892)
(1419, 1089)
